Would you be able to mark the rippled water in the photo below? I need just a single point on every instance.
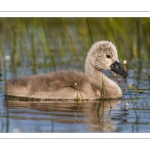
(82, 116)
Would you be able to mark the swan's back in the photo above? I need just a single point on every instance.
(50, 83)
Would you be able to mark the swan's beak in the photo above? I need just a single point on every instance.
(118, 68)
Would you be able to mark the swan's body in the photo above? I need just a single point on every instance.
(64, 84)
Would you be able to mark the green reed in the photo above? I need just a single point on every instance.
(52, 39)
(48, 44)
(69, 38)
(104, 97)
(89, 30)
(43, 45)
(14, 52)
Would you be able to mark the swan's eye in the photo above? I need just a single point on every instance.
(108, 56)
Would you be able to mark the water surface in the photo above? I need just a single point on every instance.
(61, 116)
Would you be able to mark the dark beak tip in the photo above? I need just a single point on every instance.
(118, 68)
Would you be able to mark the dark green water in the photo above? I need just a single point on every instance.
(36, 46)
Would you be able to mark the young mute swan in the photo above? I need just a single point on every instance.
(92, 84)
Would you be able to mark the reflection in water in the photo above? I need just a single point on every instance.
(89, 116)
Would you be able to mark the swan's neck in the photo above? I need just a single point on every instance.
(94, 73)
(112, 88)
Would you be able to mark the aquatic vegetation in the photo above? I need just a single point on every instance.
(79, 95)
(35, 45)
(52, 42)
(137, 90)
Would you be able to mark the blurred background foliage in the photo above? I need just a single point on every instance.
(62, 43)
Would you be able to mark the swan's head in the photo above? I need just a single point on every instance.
(103, 56)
